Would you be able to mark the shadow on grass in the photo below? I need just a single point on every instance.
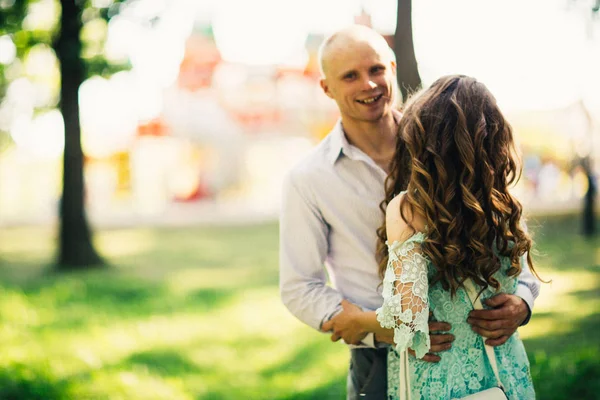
(22, 382)
(591, 294)
(305, 357)
(567, 365)
(67, 301)
(164, 362)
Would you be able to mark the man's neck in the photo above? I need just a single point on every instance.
(376, 139)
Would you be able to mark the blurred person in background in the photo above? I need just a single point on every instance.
(330, 216)
(589, 214)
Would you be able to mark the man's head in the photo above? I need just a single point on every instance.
(358, 71)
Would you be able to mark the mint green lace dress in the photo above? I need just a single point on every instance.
(464, 369)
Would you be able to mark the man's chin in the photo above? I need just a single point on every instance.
(375, 116)
(372, 116)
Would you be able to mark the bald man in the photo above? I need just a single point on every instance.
(330, 214)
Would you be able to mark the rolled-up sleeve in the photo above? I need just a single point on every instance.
(303, 248)
(528, 287)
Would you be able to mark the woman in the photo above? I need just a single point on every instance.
(455, 222)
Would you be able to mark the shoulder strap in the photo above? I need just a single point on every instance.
(476, 301)
(405, 389)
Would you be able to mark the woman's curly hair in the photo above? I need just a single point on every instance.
(456, 158)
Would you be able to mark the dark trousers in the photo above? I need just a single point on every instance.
(367, 376)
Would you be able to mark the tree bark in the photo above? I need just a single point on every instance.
(407, 70)
(76, 250)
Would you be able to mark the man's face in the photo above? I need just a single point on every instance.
(360, 79)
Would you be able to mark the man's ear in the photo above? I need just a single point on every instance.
(323, 83)
(393, 65)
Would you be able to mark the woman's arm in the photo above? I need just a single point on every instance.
(405, 306)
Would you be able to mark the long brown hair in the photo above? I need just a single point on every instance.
(458, 153)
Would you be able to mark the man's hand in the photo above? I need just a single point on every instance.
(440, 341)
(345, 325)
(497, 325)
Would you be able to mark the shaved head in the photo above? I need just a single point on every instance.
(358, 71)
(342, 39)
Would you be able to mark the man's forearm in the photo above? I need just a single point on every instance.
(314, 306)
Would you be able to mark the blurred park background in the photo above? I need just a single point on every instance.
(142, 147)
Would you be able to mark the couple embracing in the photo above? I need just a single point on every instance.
(428, 296)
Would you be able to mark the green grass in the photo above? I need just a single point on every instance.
(194, 313)
(563, 340)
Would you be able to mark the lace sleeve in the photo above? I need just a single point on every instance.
(405, 296)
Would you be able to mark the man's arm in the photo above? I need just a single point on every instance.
(354, 319)
(302, 251)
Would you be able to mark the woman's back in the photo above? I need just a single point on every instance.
(455, 162)
(464, 369)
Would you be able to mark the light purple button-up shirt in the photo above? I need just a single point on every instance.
(330, 214)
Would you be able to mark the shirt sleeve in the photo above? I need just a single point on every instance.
(405, 306)
(528, 287)
(303, 248)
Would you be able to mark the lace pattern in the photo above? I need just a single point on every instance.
(405, 296)
(464, 369)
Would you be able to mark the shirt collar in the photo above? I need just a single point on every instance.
(339, 142)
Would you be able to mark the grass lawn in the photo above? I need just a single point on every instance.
(194, 313)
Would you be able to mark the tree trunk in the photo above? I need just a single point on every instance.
(408, 72)
(76, 250)
(589, 216)
(589, 200)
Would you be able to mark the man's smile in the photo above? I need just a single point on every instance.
(370, 100)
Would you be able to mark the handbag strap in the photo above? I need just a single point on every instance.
(476, 301)
(405, 389)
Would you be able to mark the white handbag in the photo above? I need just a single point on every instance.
(495, 393)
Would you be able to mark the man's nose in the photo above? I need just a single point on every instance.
(369, 84)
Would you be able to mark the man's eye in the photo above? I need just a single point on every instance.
(376, 70)
(349, 76)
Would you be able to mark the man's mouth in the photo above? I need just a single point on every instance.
(370, 100)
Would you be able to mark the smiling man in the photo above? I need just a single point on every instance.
(330, 215)
(359, 72)
(331, 207)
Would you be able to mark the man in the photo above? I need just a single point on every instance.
(330, 214)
